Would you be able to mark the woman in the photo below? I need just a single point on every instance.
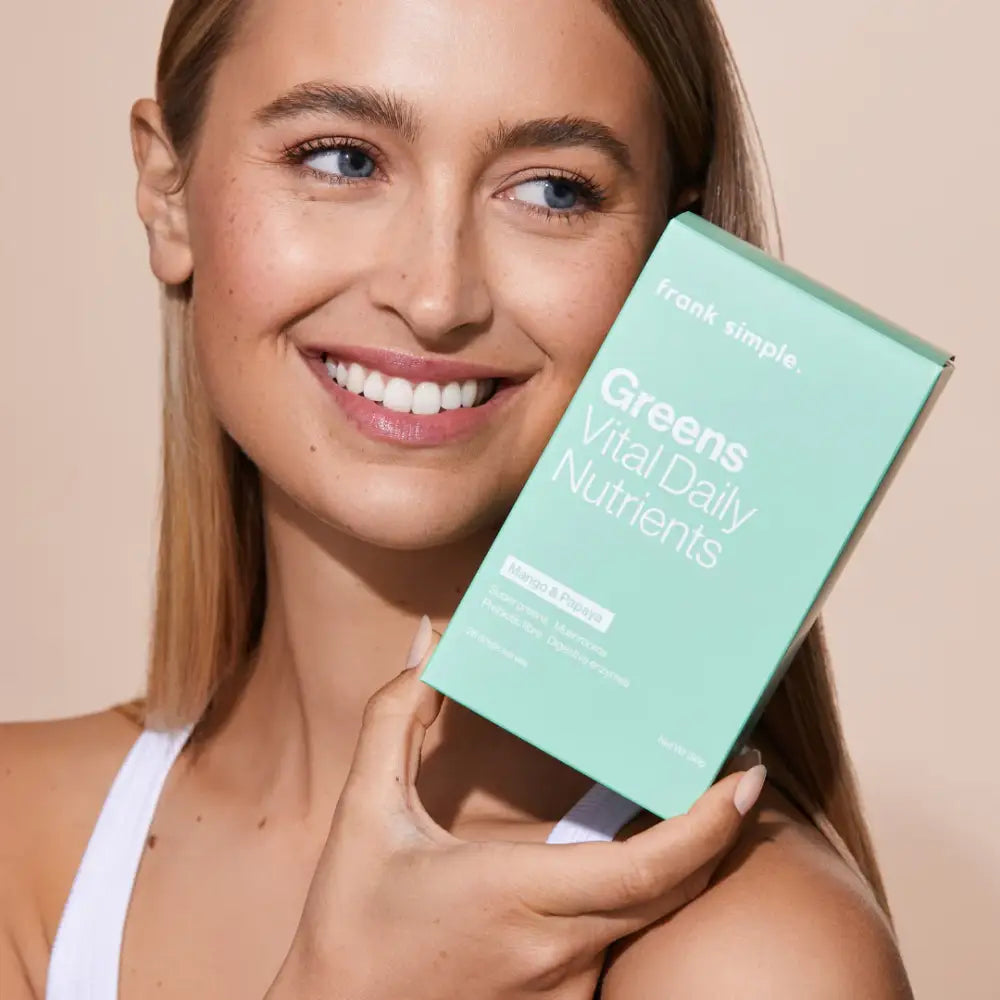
(363, 214)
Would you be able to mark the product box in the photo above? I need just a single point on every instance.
(678, 535)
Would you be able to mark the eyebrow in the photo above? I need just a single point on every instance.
(363, 104)
(566, 131)
(390, 111)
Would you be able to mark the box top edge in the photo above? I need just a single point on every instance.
(829, 296)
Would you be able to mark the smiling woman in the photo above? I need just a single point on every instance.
(391, 236)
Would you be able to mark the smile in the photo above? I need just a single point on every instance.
(401, 395)
(415, 401)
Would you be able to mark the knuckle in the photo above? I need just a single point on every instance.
(544, 945)
(546, 964)
(639, 879)
(387, 702)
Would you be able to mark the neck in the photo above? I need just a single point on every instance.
(340, 616)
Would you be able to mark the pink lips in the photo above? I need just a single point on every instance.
(380, 423)
(412, 367)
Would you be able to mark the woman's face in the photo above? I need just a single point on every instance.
(440, 191)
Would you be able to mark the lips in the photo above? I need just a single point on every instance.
(415, 368)
(410, 400)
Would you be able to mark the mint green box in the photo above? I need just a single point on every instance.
(678, 535)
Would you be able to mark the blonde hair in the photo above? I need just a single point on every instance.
(211, 583)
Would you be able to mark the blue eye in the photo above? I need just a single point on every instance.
(344, 161)
(335, 161)
(553, 193)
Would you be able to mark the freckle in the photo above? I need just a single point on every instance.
(261, 824)
(151, 842)
(197, 819)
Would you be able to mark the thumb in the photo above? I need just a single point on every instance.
(627, 884)
(393, 727)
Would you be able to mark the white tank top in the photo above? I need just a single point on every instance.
(86, 953)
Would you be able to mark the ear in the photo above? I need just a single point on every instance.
(160, 194)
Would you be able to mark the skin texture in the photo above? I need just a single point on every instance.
(441, 252)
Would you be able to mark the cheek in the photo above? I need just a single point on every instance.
(262, 261)
(257, 259)
(568, 306)
(248, 283)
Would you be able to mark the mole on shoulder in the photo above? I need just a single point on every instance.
(151, 841)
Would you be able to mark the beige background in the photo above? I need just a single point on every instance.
(879, 119)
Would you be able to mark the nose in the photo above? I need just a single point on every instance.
(430, 272)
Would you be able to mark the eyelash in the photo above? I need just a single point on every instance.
(591, 192)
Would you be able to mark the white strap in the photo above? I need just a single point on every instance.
(598, 815)
(86, 953)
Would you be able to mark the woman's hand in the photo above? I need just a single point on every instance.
(399, 908)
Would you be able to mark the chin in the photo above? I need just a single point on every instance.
(389, 527)
(390, 511)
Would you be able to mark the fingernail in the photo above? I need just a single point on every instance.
(748, 789)
(421, 643)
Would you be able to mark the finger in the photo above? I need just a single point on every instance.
(393, 727)
(602, 929)
(631, 883)
(419, 655)
(658, 859)
(423, 646)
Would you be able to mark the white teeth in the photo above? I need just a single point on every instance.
(470, 390)
(356, 379)
(424, 398)
(374, 387)
(451, 396)
(398, 395)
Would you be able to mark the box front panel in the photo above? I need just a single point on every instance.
(680, 522)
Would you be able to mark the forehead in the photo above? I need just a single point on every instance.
(455, 59)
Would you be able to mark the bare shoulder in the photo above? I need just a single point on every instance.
(783, 918)
(54, 776)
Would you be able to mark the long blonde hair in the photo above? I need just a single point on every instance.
(211, 583)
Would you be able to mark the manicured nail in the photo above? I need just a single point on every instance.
(421, 643)
(748, 789)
